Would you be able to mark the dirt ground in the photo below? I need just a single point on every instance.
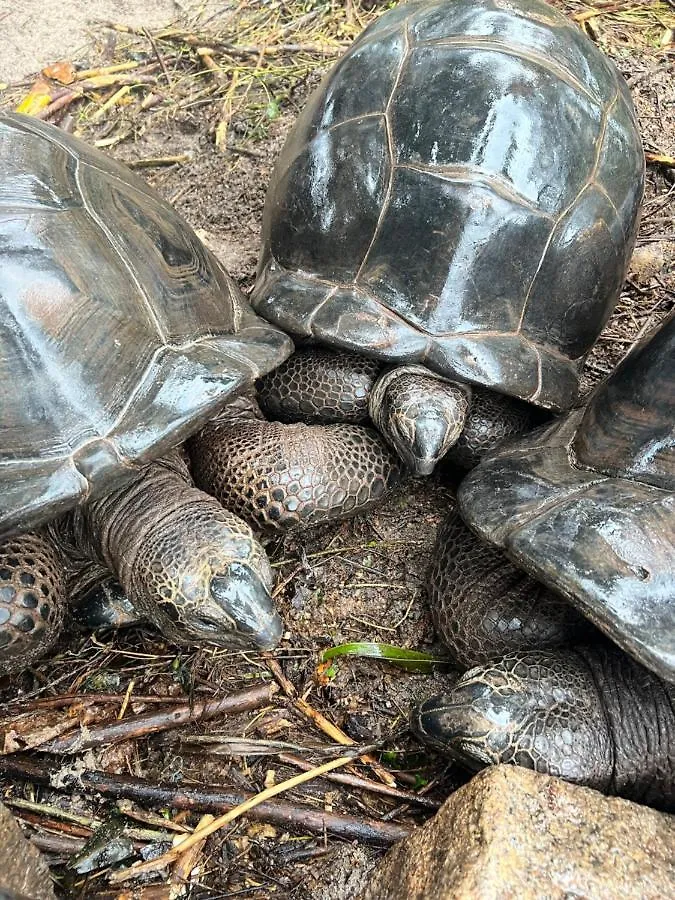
(362, 580)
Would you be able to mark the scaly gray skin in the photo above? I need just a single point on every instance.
(483, 606)
(188, 565)
(422, 415)
(184, 562)
(590, 715)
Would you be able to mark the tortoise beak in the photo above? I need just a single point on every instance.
(430, 443)
(453, 729)
(242, 597)
(434, 723)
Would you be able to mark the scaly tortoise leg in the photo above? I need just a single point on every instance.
(483, 606)
(282, 476)
(422, 415)
(33, 598)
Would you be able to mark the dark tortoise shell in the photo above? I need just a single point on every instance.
(120, 334)
(463, 191)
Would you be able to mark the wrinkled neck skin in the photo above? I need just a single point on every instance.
(421, 414)
(112, 528)
(640, 711)
(190, 566)
(242, 408)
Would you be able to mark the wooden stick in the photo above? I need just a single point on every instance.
(364, 784)
(209, 798)
(662, 159)
(216, 824)
(322, 722)
(187, 859)
(202, 40)
(338, 735)
(111, 101)
(153, 162)
(17, 707)
(161, 720)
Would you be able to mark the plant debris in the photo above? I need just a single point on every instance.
(201, 110)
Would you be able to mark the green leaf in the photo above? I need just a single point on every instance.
(272, 110)
(411, 660)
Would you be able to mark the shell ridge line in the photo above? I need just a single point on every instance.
(391, 149)
(152, 315)
(467, 174)
(310, 320)
(588, 183)
(520, 51)
(350, 121)
(147, 373)
(542, 258)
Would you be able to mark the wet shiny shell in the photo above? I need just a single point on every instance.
(462, 190)
(586, 505)
(120, 334)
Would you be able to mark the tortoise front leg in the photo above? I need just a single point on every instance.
(287, 476)
(483, 606)
(33, 598)
(188, 565)
(419, 413)
(422, 415)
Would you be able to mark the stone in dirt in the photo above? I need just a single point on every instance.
(513, 833)
(23, 870)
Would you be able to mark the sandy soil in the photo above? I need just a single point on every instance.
(34, 33)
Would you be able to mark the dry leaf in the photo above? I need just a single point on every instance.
(39, 97)
(261, 830)
(62, 71)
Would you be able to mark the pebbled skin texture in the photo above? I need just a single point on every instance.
(605, 542)
(483, 606)
(319, 386)
(420, 414)
(286, 476)
(492, 419)
(182, 543)
(33, 593)
(591, 716)
(183, 562)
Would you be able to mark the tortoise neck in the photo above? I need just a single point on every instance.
(114, 526)
(640, 710)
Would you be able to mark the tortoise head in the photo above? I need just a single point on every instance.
(231, 607)
(538, 709)
(204, 578)
(475, 722)
(420, 414)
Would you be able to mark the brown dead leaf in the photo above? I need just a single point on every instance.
(62, 71)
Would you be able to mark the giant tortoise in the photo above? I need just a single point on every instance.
(586, 506)
(120, 335)
(457, 201)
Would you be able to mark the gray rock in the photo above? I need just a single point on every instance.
(23, 870)
(511, 833)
